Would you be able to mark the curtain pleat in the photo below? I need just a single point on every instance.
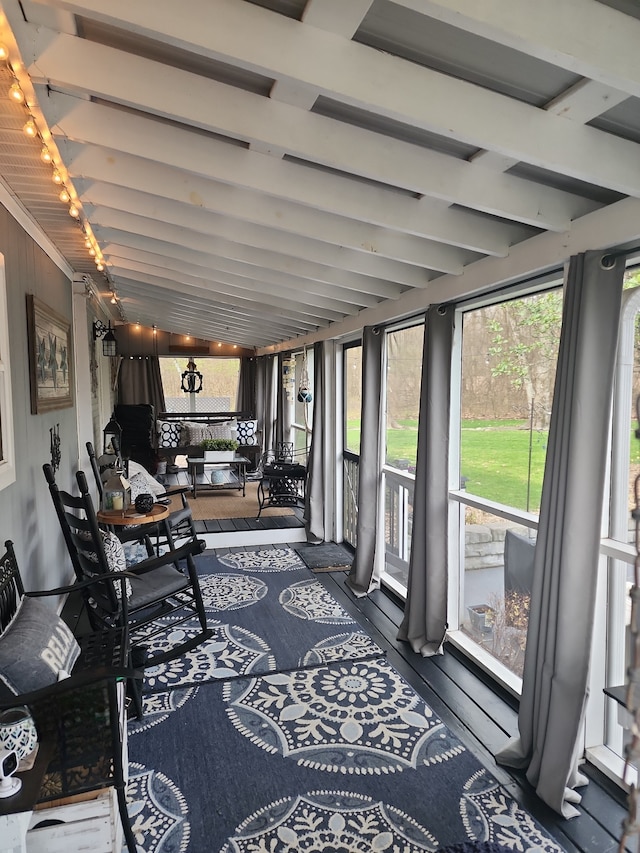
(566, 557)
(425, 616)
(246, 399)
(364, 573)
(283, 407)
(267, 393)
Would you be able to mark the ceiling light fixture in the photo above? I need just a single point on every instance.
(56, 177)
(4, 51)
(30, 128)
(64, 196)
(73, 211)
(45, 155)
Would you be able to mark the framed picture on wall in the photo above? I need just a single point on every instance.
(49, 358)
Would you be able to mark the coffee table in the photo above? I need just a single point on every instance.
(233, 474)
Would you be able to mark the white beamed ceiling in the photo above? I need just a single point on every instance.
(273, 172)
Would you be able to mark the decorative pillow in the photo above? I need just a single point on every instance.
(168, 433)
(116, 558)
(35, 647)
(247, 432)
(198, 432)
(185, 433)
(152, 485)
(139, 486)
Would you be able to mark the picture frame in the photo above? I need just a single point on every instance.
(50, 361)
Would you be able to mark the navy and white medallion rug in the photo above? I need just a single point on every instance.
(290, 731)
(282, 559)
(158, 812)
(330, 821)
(358, 717)
(344, 757)
(255, 614)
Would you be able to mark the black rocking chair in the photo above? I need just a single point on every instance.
(80, 719)
(167, 585)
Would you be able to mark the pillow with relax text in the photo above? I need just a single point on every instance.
(36, 649)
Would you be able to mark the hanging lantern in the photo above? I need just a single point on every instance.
(191, 379)
(304, 388)
(112, 431)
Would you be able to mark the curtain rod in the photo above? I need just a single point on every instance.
(621, 253)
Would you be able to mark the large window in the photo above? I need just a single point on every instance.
(508, 359)
(219, 384)
(509, 355)
(352, 373)
(403, 360)
(302, 420)
(612, 656)
(351, 419)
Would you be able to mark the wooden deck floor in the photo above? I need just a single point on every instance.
(483, 717)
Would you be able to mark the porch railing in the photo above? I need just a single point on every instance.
(398, 515)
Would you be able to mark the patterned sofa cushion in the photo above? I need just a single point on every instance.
(194, 433)
(247, 433)
(168, 433)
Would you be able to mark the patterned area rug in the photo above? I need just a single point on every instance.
(340, 757)
(268, 613)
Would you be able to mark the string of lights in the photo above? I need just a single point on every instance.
(20, 92)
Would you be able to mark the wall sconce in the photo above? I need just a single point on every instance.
(191, 379)
(109, 343)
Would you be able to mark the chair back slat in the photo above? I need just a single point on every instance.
(83, 538)
(11, 587)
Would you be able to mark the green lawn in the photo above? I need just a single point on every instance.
(494, 457)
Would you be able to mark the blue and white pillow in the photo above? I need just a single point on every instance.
(168, 433)
(247, 433)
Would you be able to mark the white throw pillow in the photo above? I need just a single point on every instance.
(153, 486)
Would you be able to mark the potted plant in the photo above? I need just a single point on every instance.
(481, 617)
(219, 449)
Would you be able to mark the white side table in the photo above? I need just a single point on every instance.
(13, 832)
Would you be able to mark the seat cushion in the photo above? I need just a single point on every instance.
(36, 649)
(155, 585)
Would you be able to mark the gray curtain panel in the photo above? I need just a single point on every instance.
(425, 615)
(139, 381)
(283, 405)
(363, 576)
(566, 556)
(246, 399)
(266, 399)
(314, 496)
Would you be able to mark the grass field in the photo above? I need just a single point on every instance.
(500, 460)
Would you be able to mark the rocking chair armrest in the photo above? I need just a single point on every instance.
(76, 681)
(188, 549)
(175, 490)
(63, 590)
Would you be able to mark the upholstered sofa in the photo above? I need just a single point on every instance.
(180, 433)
